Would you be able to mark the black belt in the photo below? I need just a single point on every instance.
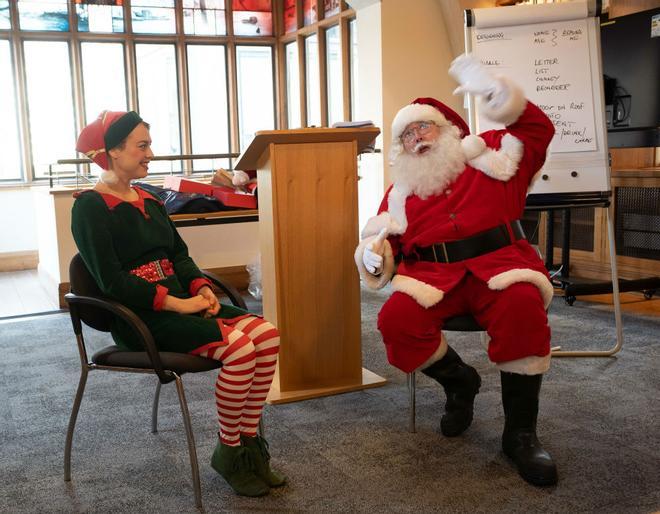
(474, 246)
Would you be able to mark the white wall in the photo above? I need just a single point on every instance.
(404, 52)
(369, 105)
(18, 221)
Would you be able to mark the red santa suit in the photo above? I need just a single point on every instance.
(506, 289)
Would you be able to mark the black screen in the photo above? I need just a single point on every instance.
(631, 69)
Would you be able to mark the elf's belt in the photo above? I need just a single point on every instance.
(474, 246)
(154, 271)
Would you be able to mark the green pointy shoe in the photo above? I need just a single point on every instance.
(259, 448)
(236, 465)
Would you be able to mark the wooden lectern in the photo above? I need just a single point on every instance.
(308, 231)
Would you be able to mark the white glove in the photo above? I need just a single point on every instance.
(372, 257)
(240, 178)
(472, 76)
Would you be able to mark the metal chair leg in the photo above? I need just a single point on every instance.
(154, 410)
(191, 441)
(72, 422)
(411, 400)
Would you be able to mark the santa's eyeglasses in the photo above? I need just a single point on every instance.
(422, 128)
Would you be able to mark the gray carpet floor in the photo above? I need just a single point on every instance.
(600, 419)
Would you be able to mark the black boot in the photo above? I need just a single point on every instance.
(520, 398)
(461, 384)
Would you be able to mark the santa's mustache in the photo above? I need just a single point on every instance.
(422, 145)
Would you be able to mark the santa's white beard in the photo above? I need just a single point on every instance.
(431, 172)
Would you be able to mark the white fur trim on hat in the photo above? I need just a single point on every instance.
(424, 294)
(415, 112)
(504, 280)
(506, 105)
(375, 281)
(472, 146)
(500, 164)
(532, 365)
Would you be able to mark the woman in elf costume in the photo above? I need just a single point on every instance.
(134, 252)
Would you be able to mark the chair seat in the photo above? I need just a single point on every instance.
(178, 362)
(464, 323)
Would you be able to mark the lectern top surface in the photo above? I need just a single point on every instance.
(248, 160)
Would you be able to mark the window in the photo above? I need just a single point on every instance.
(153, 16)
(108, 17)
(312, 75)
(10, 158)
(331, 8)
(325, 74)
(310, 14)
(50, 103)
(209, 114)
(352, 33)
(179, 63)
(103, 90)
(204, 17)
(158, 100)
(292, 86)
(290, 18)
(43, 15)
(256, 106)
(5, 23)
(253, 17)
(334, 76)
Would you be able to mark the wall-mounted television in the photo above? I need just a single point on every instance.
(631, 69)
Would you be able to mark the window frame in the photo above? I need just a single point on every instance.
(341, 19)
(129, 39)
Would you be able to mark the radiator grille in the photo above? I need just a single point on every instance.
(637, 224)
(582, 229)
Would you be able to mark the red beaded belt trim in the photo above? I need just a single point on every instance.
(154, 271)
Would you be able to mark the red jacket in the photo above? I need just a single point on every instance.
(473, 203)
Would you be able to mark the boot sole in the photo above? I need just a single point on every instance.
(539, 481)
(258, 494)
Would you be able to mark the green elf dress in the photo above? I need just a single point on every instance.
(136, 256)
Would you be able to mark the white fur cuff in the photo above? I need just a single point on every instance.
(373, 281)
(506, 105)
(472, 146)
(504, 280)
(531, 365)
(424, 294)
(500, 164)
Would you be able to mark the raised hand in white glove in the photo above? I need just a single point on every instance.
(373, 253)
(472, 76)
(240, 178)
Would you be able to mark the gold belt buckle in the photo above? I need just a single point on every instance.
(444, 252)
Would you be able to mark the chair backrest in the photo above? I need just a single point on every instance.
(83, 284)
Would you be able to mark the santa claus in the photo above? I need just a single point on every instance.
(447, 237)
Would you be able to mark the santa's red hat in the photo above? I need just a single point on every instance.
(105, 133)
(424, 109)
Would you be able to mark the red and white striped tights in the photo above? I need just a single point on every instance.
(248, 353)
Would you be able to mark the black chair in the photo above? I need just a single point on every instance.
(88, 305)
(465, 323)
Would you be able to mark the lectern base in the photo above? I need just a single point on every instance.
(369, 379)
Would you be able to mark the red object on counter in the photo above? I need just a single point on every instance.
(231, 198)
(184, 185)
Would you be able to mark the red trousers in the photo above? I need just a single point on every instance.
(514, 318)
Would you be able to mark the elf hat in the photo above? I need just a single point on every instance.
(105, 133)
